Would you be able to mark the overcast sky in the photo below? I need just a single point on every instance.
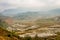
(29, 4)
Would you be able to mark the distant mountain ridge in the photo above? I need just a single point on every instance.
(26, 14)
(17, 11)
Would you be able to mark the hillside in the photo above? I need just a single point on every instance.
(6, 35)
(27, 16)
(43, 28)
(42, 24)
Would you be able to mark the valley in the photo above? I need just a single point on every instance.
(42, 28)
(31, 24)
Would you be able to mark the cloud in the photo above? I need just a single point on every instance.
(30, 4)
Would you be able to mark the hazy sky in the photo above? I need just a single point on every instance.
(29, 4)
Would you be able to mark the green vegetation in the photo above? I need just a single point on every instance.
(5, 34)
(3, 24)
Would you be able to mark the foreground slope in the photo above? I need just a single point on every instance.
(6, 35)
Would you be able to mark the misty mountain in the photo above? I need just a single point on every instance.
(28, 14)
(11, 12)
(3, 17)
(55, 11)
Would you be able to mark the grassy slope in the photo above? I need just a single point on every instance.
(6, 35)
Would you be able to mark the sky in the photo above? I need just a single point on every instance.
(29, 4)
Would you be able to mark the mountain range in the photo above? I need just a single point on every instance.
(28, 14)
